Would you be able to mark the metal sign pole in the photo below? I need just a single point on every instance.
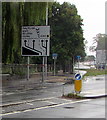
(28, 69)
(78, 58)
(54, 57)
(54, 66)
(78, 64)
(46, 56)
(43, 69)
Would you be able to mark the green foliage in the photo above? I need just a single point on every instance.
(66, 33)
(90, 58)
(66, 30)
(101, 41)
(15, 15)
(73, 95)
(94, 72)
(34, 13)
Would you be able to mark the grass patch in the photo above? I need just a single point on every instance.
(73, 96)
(95, 72)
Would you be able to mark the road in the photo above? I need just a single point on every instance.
(46, 102)
(61, 108)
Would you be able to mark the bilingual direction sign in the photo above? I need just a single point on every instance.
(35, 40)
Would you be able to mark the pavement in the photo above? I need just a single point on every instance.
(94, 94)
(36, 82)
(9, 85)
(94, 87)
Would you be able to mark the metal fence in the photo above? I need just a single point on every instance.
(17, 68)
(21, 69)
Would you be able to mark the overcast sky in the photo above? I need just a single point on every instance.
(93, 15)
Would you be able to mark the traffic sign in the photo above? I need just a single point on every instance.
(78, 76)
(35, 40)
(78, 83)
(78, 57)
(54, 55)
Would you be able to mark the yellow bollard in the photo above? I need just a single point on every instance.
(78, 85)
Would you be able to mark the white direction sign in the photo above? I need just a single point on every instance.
(35, 40)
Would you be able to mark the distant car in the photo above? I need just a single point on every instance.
(93, 66)
(101, 66)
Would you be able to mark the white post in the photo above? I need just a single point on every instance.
(46, 67)
(28, 69)
(78, 64)
(47, 14)
(43, 69)
(46, 56)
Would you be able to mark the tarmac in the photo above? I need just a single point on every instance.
(36, 81)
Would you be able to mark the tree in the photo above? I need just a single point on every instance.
(15, 15)
(66, 30)
(99, 42)
(90, 58)
(66, 34)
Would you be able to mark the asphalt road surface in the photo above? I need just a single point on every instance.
(46, 102)
(59, 108)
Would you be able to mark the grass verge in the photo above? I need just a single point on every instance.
(95, 72)
(73, 96)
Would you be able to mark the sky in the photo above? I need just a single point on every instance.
(93, 14)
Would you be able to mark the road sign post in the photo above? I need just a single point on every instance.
(54, 57)
(78, 83)
(35, 42)
(28, 69)
(43, 69)
(78, 58)
(45, 58)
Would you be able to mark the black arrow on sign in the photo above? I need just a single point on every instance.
(38, 32)
(33, 44)
(25, 42)
(44, 46)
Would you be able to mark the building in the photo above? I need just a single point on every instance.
(101, 52)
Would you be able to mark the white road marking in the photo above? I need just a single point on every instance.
(66, 100)
(29, 103)
(9, 93)
(50, 102)
(45, 107)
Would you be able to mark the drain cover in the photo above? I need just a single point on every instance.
(68, 107)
